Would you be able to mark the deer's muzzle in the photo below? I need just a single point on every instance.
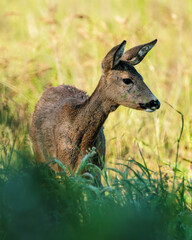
(150, 106)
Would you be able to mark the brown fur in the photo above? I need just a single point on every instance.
(66, 122)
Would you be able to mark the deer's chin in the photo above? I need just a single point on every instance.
(134, 106)
(144, 109)
(150, 110)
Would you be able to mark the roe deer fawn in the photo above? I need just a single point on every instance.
(66, 122)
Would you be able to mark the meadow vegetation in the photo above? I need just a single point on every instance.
(147, 180)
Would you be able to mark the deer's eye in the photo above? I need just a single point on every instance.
(127, 81)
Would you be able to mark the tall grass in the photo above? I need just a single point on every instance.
(51, 42)
(36, 204)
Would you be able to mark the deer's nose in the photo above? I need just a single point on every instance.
(150, 106)
(154, 104)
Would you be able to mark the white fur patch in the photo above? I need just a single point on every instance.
(150, 110)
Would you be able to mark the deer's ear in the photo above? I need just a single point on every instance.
(113, 57)
(135, 55)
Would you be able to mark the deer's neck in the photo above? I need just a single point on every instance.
(92, 115)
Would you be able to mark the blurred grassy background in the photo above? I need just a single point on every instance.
(47, 42)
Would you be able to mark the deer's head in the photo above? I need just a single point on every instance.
(123, 84)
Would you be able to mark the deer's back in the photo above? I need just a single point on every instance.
(55, 100)
(48, 116)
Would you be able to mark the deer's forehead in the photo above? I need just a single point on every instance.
(124, 66)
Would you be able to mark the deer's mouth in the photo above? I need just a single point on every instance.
(150, 106)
